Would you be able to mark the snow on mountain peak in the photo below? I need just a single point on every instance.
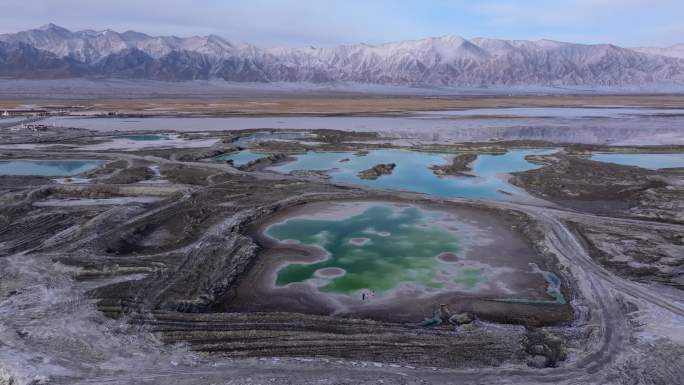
(445, 60)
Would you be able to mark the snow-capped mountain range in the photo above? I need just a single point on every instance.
(55, 52)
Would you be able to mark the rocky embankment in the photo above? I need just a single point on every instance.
(460, 165)
(598, 187)
(264, 162)
(377, 171)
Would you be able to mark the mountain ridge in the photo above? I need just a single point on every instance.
(53, 52)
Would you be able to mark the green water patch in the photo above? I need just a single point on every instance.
(554, 287)
(470, 278)
(378, 249)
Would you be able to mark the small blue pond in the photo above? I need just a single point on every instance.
(69, 167)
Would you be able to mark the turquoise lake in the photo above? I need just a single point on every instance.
(412, 172)
(47, 167)
(649, 161)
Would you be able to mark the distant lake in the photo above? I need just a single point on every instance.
(68, 167)
(610, 125)
(649, 161)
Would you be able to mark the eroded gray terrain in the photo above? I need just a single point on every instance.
(126, 273)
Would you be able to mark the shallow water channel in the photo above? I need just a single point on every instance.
(649, 161)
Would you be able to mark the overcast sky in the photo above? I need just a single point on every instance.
(330, 22)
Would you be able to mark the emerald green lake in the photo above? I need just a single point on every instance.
(378, 249)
